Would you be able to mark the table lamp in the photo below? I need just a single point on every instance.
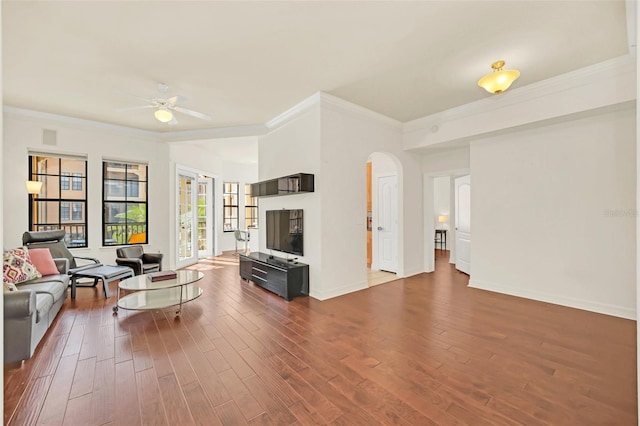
(442, 219)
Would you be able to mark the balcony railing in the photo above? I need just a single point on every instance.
(75, 237)
(121, 233)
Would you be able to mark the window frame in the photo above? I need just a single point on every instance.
(125, 187)
(232, 207)
(34, 199)
(251, 213)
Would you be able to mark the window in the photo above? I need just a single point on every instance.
(57, 206)
(64, 181)
(76, 182)
(64, 211)
(230, 206)
(76, 211)
(124, 203)
(250, 208)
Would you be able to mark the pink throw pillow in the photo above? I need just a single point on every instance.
(42, 260)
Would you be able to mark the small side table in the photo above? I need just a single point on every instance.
(106, 273)
(442, 233)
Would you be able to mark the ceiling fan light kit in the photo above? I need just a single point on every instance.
(163, 115)
(499, 80)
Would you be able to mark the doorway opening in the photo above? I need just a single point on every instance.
(448, 220)
(382, 218)
(442, 216)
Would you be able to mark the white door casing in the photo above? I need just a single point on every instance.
(388, 223)
(463, 223)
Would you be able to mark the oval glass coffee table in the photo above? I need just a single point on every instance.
(149, 294)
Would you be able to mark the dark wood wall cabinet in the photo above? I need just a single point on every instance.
(286, 185)
(284, 278)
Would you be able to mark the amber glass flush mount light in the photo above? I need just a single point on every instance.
(499, 80)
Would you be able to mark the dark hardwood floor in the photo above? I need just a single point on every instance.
(417, 351)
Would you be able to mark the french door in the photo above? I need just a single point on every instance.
(187, 218)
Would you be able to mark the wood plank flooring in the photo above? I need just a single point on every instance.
(425, 350)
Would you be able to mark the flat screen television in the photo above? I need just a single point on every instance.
(284, 231)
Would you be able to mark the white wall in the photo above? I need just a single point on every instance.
(295, 148)
(333, 140)
(446, 162)
(553, 212)
(22, 134)
(349, 136)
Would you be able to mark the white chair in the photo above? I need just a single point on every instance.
(242, 236)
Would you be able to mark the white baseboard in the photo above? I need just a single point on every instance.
(339, 291)
(586, 305)
(412, 272)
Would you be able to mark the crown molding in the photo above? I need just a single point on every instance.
(177, 136)
(56, 119)
(293, 112)
(554, 85)
(214, 133)
(330, 101)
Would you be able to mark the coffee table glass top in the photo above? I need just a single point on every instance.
(161, 298)
(142, 282)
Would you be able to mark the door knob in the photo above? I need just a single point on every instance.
(379, 228)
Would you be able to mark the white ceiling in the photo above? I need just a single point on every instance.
(244, 63)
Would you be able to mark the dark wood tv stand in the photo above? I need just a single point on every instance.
(280, 276)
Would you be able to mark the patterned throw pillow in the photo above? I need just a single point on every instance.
(17, 267)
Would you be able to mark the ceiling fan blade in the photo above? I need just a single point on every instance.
(173, 121)
(193, 113)
(175, 99)
(134, 108)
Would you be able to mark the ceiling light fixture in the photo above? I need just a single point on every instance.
(163, 115)
(499, 80)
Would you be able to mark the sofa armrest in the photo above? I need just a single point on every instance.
(62, 264)
(152, 258)
(19, 304)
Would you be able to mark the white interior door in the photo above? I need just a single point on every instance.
(187, 218)
(463, 224)
(388, 223)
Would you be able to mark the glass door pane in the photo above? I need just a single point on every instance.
(186, 186)
(202, 216)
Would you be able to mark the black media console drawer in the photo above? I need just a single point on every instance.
(286, 279)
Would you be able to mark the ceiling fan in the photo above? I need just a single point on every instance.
(165, 106)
